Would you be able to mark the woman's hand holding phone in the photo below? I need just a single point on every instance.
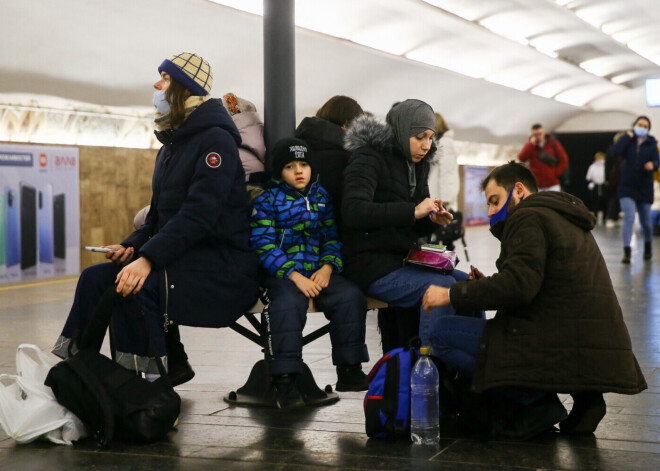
(122, 255)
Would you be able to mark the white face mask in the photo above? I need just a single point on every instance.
(640, 131)
(160, 102)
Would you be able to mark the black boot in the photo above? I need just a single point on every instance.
(626, 255)
(588, 410)
(180, 372)
(648, 251)
(534, 419)
(351, 378)
(287, 395)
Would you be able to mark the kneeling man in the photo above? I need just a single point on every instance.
(558, 327)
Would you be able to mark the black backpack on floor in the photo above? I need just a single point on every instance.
(112, 401)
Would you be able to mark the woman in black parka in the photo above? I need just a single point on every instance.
(386, 207)
(190, 263)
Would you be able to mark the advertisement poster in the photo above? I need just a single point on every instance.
(476, 210)
(39, 212)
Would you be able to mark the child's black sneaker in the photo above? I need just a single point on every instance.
(287, 395)
(351, 378)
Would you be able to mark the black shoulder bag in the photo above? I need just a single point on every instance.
(112, 401)
(547, 158)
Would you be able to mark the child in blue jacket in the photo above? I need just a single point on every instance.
(294, 233)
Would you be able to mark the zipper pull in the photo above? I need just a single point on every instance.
(166, 322)
(307, 201)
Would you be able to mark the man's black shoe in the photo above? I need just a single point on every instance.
(180, 372)
(351, 378)
(534, 419)
(287, 395)
(588, 410)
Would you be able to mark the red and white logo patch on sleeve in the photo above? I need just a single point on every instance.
(213, 160)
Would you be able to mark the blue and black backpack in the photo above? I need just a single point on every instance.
(387, 403)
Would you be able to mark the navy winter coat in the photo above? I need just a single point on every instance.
(197, 230)
(636, 182)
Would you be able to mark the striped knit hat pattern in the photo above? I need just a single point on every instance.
(191, 71)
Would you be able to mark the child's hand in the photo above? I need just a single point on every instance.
(322, 276)
(309, 288)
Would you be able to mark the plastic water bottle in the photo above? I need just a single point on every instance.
(425, 408)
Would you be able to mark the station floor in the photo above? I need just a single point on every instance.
(212, 435)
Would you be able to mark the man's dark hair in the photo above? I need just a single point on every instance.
(536, 126)
(340, 110)
(642, 117)
(508, 175)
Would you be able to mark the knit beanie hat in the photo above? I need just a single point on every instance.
(409, 118)
(287, 150)
(191, 71)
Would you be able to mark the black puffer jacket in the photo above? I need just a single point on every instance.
(378, 213)
(558, 326)
(196, 233)
(329, 158)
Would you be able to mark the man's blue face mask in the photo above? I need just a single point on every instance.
(503, 212)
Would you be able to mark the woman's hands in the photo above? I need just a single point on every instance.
(122, 256)
(440, 215)
(131, 278)
(649, 166)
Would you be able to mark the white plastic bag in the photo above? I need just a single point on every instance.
(28, 408)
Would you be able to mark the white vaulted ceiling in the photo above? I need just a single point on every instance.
(492, 67)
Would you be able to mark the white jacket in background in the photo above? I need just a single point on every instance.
(444, 181)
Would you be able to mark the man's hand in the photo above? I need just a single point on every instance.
(306, 286)
(122, 256)
(424, 208)
(649, 166)
(477, 275)
(131, 278)
(322, 276)
(435, 296)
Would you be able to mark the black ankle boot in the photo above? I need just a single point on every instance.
(180, 372)
(588, 410)
(648, 251)
(626, 255)
(351, 378)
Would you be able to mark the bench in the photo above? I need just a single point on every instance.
(257, 390)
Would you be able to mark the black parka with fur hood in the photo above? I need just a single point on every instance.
(378, 213)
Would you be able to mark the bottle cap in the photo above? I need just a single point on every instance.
(424, 350)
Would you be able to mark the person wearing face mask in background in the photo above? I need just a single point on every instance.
(190, 263)
(640, 153)
(386, 207)
(547, 336)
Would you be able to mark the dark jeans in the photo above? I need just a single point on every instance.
(406, 286)
(343, 304)
(456, 341)
(130, 341)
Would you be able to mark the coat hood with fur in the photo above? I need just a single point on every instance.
(369, 132)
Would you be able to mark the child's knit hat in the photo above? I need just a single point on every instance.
(287, 150)
(191, 71)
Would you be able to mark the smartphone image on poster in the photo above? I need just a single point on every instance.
(3, 229)
(45, 223)
(13, 228)
(59, 226)
(28, 226)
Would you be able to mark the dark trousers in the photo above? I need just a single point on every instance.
(131, 347)
(342, 303)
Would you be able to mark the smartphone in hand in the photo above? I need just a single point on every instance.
(100, 249)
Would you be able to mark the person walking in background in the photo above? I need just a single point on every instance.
(640, 153)
(444, 182)
(324, 133)
(596, 183)
(547, 158)
(612, 175)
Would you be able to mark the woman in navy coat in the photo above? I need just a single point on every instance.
(640, 153)
(190, 263)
